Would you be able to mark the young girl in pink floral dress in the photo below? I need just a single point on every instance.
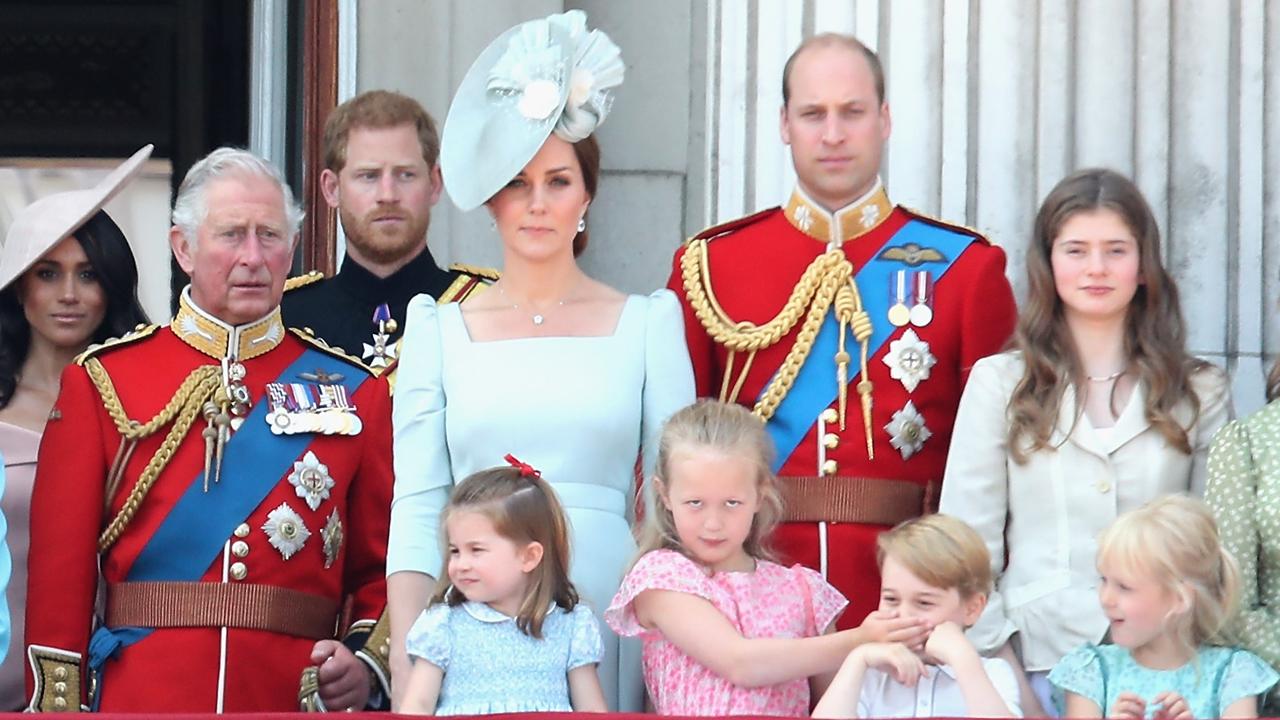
(726, 631)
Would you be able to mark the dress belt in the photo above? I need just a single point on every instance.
(869, 501)
(210, 604)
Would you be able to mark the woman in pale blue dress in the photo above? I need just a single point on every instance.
(548, 364)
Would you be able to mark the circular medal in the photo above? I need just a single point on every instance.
(921, 315)
(331, 423)
(899, 315)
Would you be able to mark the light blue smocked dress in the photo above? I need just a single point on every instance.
(582, 410)
(1217, 677)
(490, 666)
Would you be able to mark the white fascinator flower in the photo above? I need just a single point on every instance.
(531, 72)
(597, 70)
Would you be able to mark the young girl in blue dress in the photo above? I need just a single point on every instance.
(1167, 588)
(507, 633)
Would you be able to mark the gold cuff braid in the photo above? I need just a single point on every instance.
(57, 679)
(182, 409)
(828, 280)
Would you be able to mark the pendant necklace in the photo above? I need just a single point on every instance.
(537, 318)
(1105, 378)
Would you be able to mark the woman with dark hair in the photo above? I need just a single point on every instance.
(67, 279)
(1097, 409)
(549, 364)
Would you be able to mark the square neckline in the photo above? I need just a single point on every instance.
(617, 327)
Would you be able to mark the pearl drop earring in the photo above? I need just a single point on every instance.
(582, 224)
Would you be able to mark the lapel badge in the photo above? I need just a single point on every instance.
(899, 315)
(285, 530)
(922, 312)
(912, 254)
(907, 430)
(310, 479)
(331, 534)
(909, 360)
(382, 352)
(320, 376)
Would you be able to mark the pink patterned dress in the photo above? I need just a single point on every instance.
(772, 601)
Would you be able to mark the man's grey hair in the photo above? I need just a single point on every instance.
(190, 208)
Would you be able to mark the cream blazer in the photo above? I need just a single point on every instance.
(1041, 520)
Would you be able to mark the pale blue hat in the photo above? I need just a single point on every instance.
(539, 77)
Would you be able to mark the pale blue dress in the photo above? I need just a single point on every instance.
(582, 410)
(491, 667)
(1217, 677)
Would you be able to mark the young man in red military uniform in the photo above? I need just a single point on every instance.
(231, 481)
(848, 323)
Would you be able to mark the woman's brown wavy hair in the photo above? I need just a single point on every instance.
(1155, 332)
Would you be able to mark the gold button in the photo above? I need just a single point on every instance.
(238, 571)
(243, 530)
(830, 415)
(59, 673)
(60, 688)
(830, 467)
(239, 548)
(60, 703)
(831, 441)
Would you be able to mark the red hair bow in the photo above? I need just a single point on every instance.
(526, 470)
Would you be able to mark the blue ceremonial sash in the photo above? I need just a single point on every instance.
(815, 386)
(196, 528)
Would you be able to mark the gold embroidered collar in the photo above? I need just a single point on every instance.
(857, 218)
(217, 339)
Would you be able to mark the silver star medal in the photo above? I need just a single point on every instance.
(909, 360)
(331, 534)
(285, 530)
(381, 352)
(310, 479)
(907, 430)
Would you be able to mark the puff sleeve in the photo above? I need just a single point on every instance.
(422, 469)
(1245, 675)
(825, 602)
(657, 570)
(585, 646)
(1081, 672)
(430, 638)
(668, 375)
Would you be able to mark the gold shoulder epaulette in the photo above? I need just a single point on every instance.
(471, 279)
(480, 272)
(294, 283)
(339, 353)
(139, 333)
(725, 228)
(933, 220)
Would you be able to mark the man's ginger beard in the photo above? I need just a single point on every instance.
(384, 245)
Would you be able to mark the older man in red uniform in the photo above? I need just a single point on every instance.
(848, 323)
(230, 480)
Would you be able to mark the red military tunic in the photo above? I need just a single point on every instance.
(338, 560)
(752, 267)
